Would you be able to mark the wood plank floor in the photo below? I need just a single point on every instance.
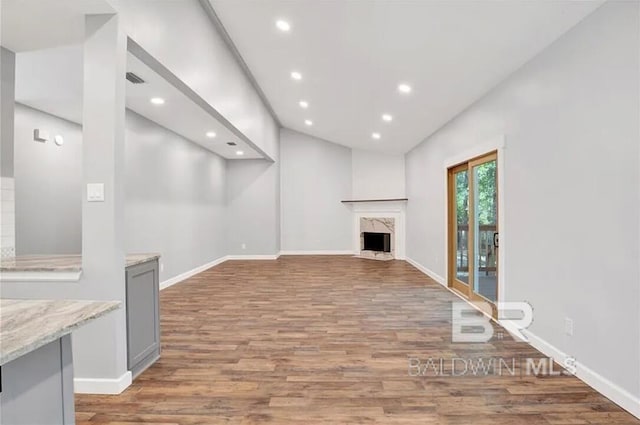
(328, 340)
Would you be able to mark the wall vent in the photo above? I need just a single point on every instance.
(231, 143)
(134, 78)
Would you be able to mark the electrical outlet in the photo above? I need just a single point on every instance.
(243, 246)
(568, 326)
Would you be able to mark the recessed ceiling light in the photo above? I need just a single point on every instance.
(283, 25)
(308, 122)
(387, 117)
(157, 101)
(296, 75)
(239, 153)
(211, 134)
(303, 104)
(404, 88)
(375, 135)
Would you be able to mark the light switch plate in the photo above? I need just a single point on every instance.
(95, 192)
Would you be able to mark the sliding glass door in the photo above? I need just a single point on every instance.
(473, 228)
(459, 228)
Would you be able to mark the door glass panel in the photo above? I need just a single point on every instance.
(485, 221)
(462, 225)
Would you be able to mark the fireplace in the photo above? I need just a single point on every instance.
(377, 238)
(379, 242)
(379, 217)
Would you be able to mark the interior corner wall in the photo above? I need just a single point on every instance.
(571, 181)
(7, 97)
(174, 198)
(7, 181)
(315, 178)
(377, 175)
(167, 30)
(253, 209)
(48, 201)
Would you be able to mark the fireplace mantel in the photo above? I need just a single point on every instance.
(355, 201)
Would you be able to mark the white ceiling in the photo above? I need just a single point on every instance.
(353, 54)
(39, 24)
(51, 80)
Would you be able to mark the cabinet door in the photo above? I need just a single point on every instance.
(37, 388)
(143, 327)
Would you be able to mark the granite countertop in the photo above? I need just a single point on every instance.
(60, 263)
(135, 259)
(26, 325)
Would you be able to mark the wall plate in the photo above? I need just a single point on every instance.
(95, 192)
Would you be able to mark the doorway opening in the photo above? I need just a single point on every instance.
(473, 228)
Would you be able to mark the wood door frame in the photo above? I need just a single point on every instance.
(452, 282)
(452, 265)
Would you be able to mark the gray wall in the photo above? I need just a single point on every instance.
(570, 239)
(315, 177)
(48, 185)
(7, 96)
(174, 197)
(174, 192)
(253, 207)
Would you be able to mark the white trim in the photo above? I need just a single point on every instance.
(613, 392)
(186, 275)
(101, 385)
(40, 276)
(327, 252)
(599, 383)
(253, 257)
(441, 280)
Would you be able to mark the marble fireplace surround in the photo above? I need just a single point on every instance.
(381, 210)
(377, 225)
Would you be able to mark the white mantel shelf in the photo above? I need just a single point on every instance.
(353, 201)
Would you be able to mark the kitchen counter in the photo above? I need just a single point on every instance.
(41, 263)
(26, 325)
(36, 363)
(135, 259)
(55, 267)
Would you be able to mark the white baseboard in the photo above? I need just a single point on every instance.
(102, 386)
(327, 252)
(179, 278)
(186, 275)
(433, 275)
(252, 257)
(613, 392)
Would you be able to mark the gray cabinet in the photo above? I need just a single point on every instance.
(143, 316)
(37, 388)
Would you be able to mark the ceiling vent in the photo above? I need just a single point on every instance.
(231, 143)
(134, 78)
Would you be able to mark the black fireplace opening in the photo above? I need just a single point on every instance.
(380, 242)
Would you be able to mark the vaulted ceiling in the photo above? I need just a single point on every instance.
(352, 56)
